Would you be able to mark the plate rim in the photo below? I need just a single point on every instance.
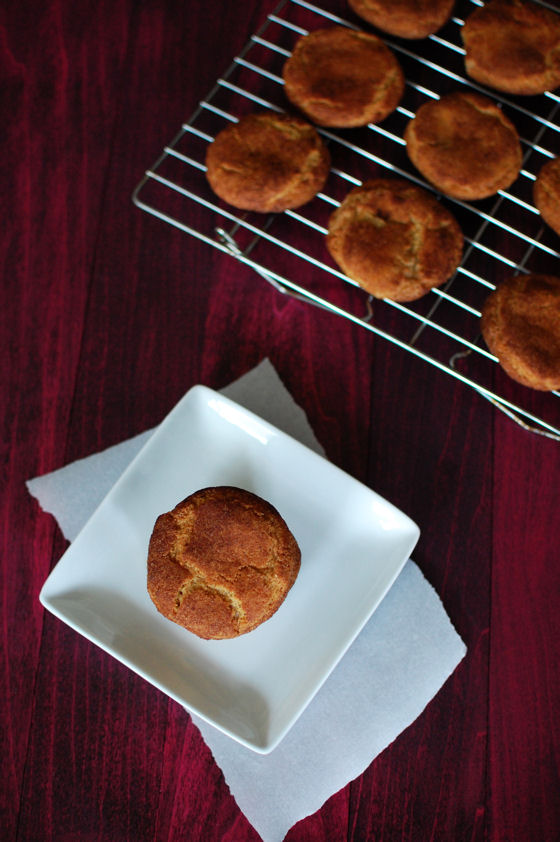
(204, 394)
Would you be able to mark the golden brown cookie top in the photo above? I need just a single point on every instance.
(342, 78)
(465, 145)
(521, 326)
(267, 162)
(405, 18)
(513, 46)
(394, 239)
(221, 562)
(546, 193)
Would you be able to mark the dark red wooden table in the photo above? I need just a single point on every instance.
(108, 317)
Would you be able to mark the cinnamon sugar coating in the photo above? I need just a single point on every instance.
(546, 193)
(267, 162)
(394, 239)
(464, 145)
(405, 18)
(221, 562)
(513, 46)
(521, 326)
(342, 78)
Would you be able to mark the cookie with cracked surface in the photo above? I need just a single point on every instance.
(546, 193)
(513, 46)
(394, 239)
(405, 18)
(267, 162)
(520, 324)
(464, 145)
(342, 78)
(221, 562)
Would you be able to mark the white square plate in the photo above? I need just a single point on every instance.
(253, 688)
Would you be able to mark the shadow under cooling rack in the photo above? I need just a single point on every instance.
(503, 235)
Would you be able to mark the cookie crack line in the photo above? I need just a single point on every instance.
(198, 583)
(231, 168)
(413, 254)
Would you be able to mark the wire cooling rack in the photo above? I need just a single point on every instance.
(504, 235)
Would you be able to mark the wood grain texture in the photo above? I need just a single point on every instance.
(107, 317)
(524, 699)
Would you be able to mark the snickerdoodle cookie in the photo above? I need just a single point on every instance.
(267, 162)
(394, 239)
(465, 145)
(343, 78)
(513, 46)
(521, 326)
(221, 562)
(546, 193)
(405, 18)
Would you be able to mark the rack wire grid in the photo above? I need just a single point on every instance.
(504, 234)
